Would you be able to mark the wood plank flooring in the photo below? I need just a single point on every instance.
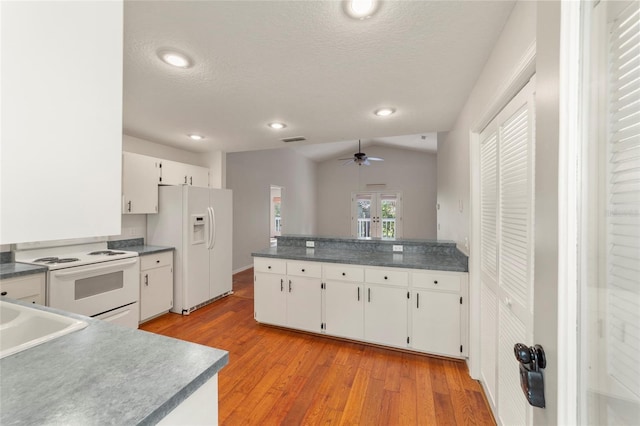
(281, 377)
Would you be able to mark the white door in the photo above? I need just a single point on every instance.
(139, 184)
(608, 268)
(506, 257)
(270, 298)
(436, 322)
(221, 242)
(196, 254)
(376, 215)
(304, 303)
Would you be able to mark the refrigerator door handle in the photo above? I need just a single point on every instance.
(213, 227)
(210, 228)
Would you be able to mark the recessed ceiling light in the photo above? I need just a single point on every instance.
(361, 9)
(196, 137)
(277, 126)
(174, 58)
(384, 112)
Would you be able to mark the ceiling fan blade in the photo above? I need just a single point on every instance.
(375, 159)
(343, 159)
(366, 162)
(349, 161)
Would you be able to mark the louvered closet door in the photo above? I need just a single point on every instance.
(506, 258)
(622, 302)
(488, 258)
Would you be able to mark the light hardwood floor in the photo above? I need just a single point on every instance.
(277, 376)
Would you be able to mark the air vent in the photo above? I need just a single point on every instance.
(294, 139)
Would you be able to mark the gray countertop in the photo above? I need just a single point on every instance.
(16, 269)
(144, 250)
(104, 374)
(434, 261)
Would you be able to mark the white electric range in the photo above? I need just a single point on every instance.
(85, 277)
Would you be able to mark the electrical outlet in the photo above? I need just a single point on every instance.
(397, 248)
(311, 244)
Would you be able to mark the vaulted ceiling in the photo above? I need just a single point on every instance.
(304, 63)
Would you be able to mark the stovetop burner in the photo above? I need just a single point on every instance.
(54, 260)
(107, 252)
(46, 259)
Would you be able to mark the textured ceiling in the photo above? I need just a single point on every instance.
(304, 63)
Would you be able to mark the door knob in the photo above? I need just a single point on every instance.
(531, 360)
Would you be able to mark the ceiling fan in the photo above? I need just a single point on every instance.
(359, 158)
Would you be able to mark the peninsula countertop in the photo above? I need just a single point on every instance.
(103, 374)
(432, 261)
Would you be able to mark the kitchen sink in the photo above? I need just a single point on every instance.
(22, 327)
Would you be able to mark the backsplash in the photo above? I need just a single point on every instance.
(123, 244)
(5, 257)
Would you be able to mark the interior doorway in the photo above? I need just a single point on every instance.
(275, 213)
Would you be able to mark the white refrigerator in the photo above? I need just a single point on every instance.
(198, 223)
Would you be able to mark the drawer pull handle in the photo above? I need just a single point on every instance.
(418, 300)
(386, 278)
(281, 283)
(369, 294)
(4, 293)
(358, 294)
(268, 267)
(303, 270)
(157, 261)
(435, 281)
(344, 274)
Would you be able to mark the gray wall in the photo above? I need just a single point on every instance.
(412, 172)
(250, 175)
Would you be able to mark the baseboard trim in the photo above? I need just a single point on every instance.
(244, 268)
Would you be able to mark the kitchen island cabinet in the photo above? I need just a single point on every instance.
(412, 305)
(26, 288)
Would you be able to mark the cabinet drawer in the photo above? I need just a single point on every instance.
(156, 260)
(343, 273)
(25, 287)
(304, 269)
(436, 281)
(265, 264)
(387, 276)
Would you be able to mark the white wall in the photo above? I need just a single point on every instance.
(250, 176)
(412, 172)
(453, 149)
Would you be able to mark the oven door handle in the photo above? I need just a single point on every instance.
(93, 269)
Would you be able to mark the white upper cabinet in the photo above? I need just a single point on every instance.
(140, 176)
(61, 79)
(175, 173)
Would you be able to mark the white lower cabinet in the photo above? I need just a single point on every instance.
(270, 299)
(293, 300)
(436, 322)
(403, 308)
(344, 309)
(26, 288)
(385, 315)
(156, 284)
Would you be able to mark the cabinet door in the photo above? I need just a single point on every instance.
(174, 173)
(198, 176)
(270, 299)
(28, 288)
(344, 309)
(385, 315)
(436, 322)
(304, 303)
(156, 291)
(139, 184)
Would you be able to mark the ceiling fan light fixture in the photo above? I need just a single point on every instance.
(384, 112)
(196, 137)
(174, 58)
(361, 9)
(277, 125)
